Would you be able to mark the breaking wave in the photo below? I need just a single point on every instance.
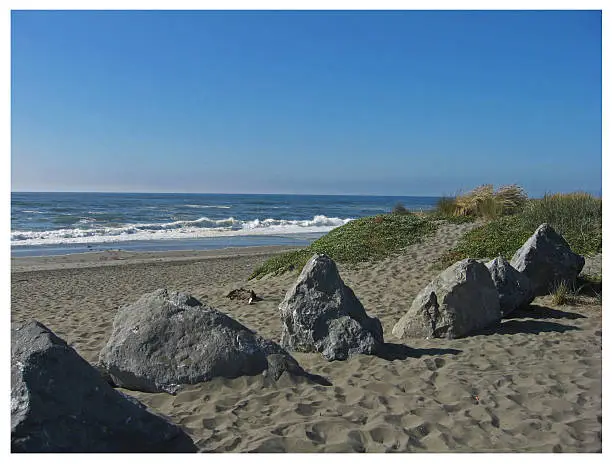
(202, 227)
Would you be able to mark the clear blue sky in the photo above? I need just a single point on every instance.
(414, 103)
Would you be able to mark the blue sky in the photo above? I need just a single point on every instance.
(397, 103)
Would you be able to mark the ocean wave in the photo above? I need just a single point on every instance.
(207, 206)
(198, 228)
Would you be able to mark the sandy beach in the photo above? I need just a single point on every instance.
(532, 384)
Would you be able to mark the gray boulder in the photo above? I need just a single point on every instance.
(513, 287)
(321, 314)
(547, 260)
(59, 404)
(167, 339)
(461, 299)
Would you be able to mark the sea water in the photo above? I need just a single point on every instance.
(59, 223)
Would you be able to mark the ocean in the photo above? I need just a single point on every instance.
(61, 223)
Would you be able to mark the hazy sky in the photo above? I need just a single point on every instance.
(414, 103)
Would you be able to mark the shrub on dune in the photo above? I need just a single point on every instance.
(512, 198)
(471, 203)
(446, 206)
(576, 216)
(484, 202)
(364, 239)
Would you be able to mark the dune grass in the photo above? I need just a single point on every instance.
(365, 239)
(446, 206)
(576, 216)
(562, 294)
(446, 210)
(483, 202)
(510, 220)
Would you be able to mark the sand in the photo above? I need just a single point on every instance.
(532, 384)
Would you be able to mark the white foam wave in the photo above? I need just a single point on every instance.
(31, 211)
(202, 227)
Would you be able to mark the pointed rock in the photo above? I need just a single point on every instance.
(60, 404)
(321, 314)
(461, 299)
(167, 339)
(513, 287)
(547, 260)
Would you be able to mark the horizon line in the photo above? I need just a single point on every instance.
(224, 193)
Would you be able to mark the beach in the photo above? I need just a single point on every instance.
(531, 384)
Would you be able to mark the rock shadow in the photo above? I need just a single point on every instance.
(588, 286)
(317, 379)
(542, 312)
(515, 326)
(397, 351)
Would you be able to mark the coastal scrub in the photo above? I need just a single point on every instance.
(576, 216)
(364, 239)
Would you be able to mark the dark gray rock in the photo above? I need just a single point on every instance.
(167, 339)
(547, 260)
(460, 300)
(59, 403)
(513, 287)
(321, 314)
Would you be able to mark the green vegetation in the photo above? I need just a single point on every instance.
(364, 239)
(510, 220)
(576, 216)
(446, 207)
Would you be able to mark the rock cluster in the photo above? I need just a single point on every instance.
(60, 404)
(468, 295)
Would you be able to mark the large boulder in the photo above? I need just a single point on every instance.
(59, 403)
(547, 260)
(167, 339)
(321, 314)
(461, 299)
(513, 287)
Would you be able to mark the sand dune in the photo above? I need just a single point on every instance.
(531, 384)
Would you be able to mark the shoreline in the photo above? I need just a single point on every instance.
(94, 259)
(177, 244)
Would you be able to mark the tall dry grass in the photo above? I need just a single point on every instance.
(484, 201)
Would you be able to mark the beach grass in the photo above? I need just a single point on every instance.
(483, 202)
(562, 294)
(509, 220)
(364, 239)
(576, 216)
